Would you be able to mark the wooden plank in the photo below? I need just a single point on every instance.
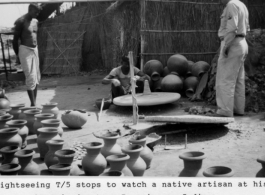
(189, 119)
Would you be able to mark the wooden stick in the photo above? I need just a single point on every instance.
(101, 108)
(133, 87)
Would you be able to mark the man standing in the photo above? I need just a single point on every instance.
(230, 77)
(25, 33)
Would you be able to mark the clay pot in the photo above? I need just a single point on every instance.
(113, 173)
(262, 161)
(199, 68)
(154, 69)
(136, 164)
(4, 102)
(94, 162)
(118, 162)
(15, 110)
(166, 71)
(53, 145)
(107, 103)
(53, 123)
(74, 119)
(178, 64)
(172, 83)
(31, 119)
(40, 117)
(146, 154)
(110, 146)
(156, 85)
(8, 153)
(192, 160)
(3, 112)
(23, 130)
(23, 109)
(45, 134)
(4, 119)
(190, 64)
(51, 108)
(66, 156)
(218, 171)
(190, 85)
(28, 166)
(10, 137)
(60, 169)
(10, 169)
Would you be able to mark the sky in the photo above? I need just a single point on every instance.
(10, 12)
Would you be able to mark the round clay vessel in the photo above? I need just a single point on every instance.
(4, 103)
(94, 162)
(3, 112)
(74, 119)
(136, 164)
(113, 173)
(4, 119)
(60, 169)
(190, 64)
(172, 83)
(30, 117)
(178, 64)
(218, 171)
(8, 153)
(192, 160)
(146, 154)
(28, 166)
(10, 137)
(110, 146)
(23, 109)
(45, 134)
(53, 123)
(51, 108)
(10, 169)
(15, 110)
(23, 130)
(53, 145)
(199, 68)
(40, 117)
(119, 162)
(190, 85)
(154, 69)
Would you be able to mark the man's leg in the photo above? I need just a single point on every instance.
(116, 91)
(31, 95)
(35, 94)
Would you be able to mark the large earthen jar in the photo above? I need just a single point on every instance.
(45, 134)
(53, 123)
(136, 164)
(190, 85)
(10, 137)
(154, 69)
(119, 162)
(53, 145)
(94, 162)
(8, 153)
(30, 117)
(199, 68)
(178, 64)
(172, 83)
(28, 166)
(51, 108)
(190, 64)
(146, 154)
(23, 130)
(110, 144)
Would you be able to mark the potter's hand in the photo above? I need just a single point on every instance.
(226, 51)
(116, 82)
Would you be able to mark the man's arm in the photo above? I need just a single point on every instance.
(143, 76)
(17, 35)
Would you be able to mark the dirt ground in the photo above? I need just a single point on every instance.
(237, 145)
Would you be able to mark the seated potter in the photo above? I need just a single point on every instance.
(120, 79)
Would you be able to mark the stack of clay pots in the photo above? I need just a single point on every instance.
(179, 75)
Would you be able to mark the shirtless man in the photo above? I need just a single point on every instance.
(25, 33)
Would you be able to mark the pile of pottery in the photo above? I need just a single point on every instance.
(130, 160)
(180, 75)
(193, 162)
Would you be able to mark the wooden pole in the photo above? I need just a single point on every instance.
(3, 53)
(143, 26)
(133, 88)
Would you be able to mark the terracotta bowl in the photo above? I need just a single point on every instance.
(107, 103)
(218, 171)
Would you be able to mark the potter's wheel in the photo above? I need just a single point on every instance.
(151, 99)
